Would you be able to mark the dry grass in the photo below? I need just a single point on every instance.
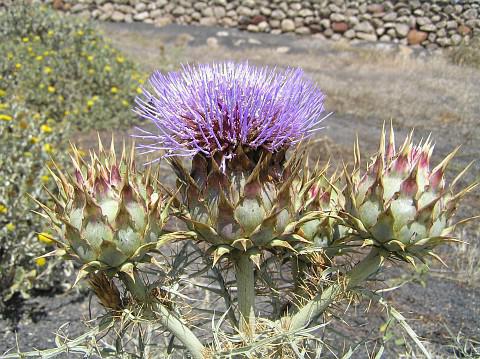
(464, 259)
(467, 54)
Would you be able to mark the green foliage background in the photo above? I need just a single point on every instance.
(57, 76)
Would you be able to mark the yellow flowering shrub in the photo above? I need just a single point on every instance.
(27, 141)
(56, 64)
(58, 75)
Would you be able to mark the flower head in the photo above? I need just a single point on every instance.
(45, 237)
(216, 108)
(46, 129)
(40, 261)
(4, 117)
(48, 148)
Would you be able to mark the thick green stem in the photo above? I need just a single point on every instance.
(244, 272)
(180, 331)
(140, 291)
(368, 266)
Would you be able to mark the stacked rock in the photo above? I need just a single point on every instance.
(431, 24)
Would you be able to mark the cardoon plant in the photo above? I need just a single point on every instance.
(237, 122)
(235, 136)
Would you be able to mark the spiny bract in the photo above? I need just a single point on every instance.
(324, 231)
(108, 214)
(325, 197)
(401, 204)
(258, 201)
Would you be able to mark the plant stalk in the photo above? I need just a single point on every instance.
(180, 331)
(169, 320)
(315, 307)
(244, 272)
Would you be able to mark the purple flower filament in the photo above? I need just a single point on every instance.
(215, 108)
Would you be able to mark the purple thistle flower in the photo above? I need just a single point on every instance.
(216, 108)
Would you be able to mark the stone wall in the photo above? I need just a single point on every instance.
(427, 23)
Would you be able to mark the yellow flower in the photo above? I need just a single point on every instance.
(114, 90)
(47, 70)
(125, 103)
(90, 58)
(50, 33)
(18, 66)
(3, 209)
(48, 148)
(10, 55)
(3, 106)
(40, 261)
(91, 71)
(46, 129)
(39, 58)
(10, 227)
(5, 117)
(2, 93)
(61, 98)
(25, 39)
(45, 237)
(107, 68)
(36, 116)
(95, 98)
(36, 38)
(28, 154)
(51, 89)
(80, 33)
(66, 113)
(44, 179)
(141, 81)
(41, 86)
(34, 140)
(46, 53)
(90, 103)
(120, 59)
(139, 90)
